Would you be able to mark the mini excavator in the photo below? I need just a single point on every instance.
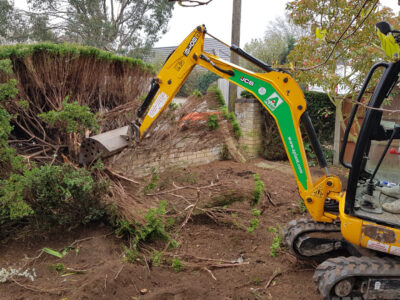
(354, 233)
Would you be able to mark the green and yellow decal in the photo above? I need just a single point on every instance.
(280, 110)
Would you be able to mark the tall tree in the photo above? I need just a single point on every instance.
(278, 40)
(122, 26)
(340, 47)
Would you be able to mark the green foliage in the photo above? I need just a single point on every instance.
(258, 189)
(157, 259)
(72, 50)
(255, 212)
(59, 268)
(276, 241)
(302, 206)
(196, 93)
(54, 252)
(177, 265)
(350, 58)
(130, 255)
(212, 122)
(246, 94)
(24, 104)
(204, 80)
(322, 113)
(237, 131)
(274, 47)
(218, 95)
(172, 106)
(8, 90)
(253, 225)
(6, 66)
(197, 80)
(130, 28)
(51, 196)
(154, 228)
(153, 182)
(73, 117)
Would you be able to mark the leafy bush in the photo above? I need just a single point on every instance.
(72, 118)
(51, 196)
(322, 113)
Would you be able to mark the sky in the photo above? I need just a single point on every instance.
(217, 16)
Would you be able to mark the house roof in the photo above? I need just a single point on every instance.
(210, 45)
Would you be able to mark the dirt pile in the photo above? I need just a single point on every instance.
(217, 258)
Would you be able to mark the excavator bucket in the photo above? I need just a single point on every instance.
(105, 144)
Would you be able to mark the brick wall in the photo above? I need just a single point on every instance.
(139, 163)
(250, 118)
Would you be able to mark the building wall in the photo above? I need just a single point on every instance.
(250, 118)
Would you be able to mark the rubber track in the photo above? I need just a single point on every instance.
(292, 235)
(334, 270)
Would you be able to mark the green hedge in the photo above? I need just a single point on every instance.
(23, 50)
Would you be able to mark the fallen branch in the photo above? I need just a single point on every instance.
(120, 176)
(211, 273)
(268, 196)
(119, 271)
(274, 275)
(185, 187)
(38, 290)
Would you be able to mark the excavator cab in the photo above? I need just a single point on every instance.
(373, 190)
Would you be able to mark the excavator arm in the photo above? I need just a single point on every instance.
(277, 92)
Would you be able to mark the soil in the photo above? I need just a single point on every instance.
(96, 266)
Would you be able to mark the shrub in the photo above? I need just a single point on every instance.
(51, 196)
(71, 118)
(212, 122)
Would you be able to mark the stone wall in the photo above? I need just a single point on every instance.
(141, 162)
(250, 118)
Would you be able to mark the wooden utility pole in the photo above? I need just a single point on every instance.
(236, 16)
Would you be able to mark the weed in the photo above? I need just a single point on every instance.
(172, 106)
(302, 206)
(130, 254)
(153, 182)
(272, 229)
(177, 265)
(196, 93)
(157, 259)
(212, 122)
(276, 241)
(237, 131)
(256, 281)
(59, 268)
(253, 225)
(258, 189)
